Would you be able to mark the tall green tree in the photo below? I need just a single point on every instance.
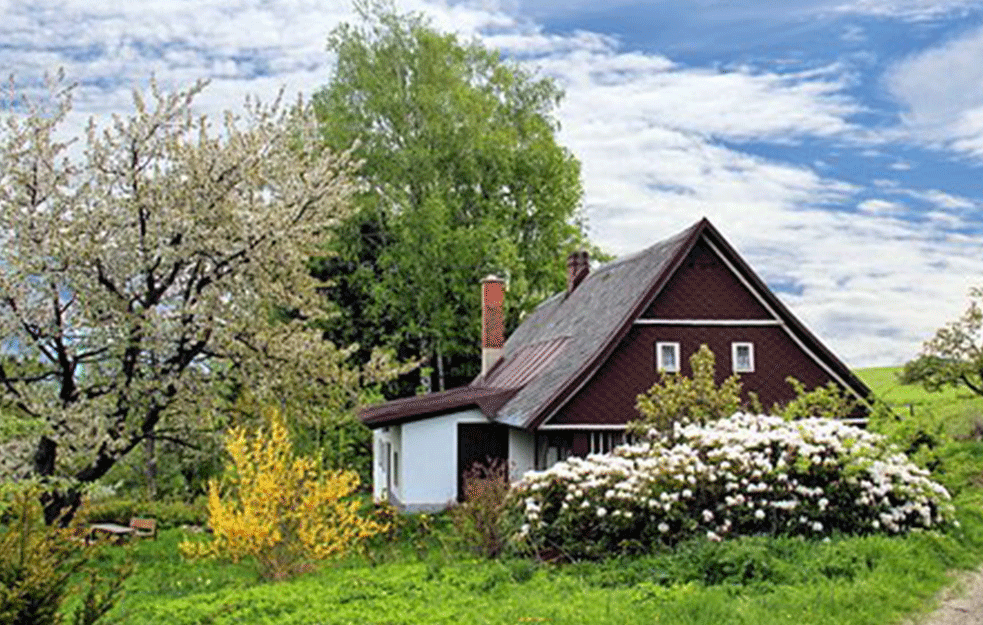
(954, 356)
(463, 175)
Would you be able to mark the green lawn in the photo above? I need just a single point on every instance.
(959, 408)
(869, 580)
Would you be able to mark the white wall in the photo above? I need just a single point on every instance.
(522, 453)
(427, 459)
(430, 459)
(380, 436)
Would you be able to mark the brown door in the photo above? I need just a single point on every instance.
(479, 442)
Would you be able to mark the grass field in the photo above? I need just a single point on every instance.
(421, 578)
(754, 581)
(959, 408)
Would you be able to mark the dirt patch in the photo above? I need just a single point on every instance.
(959, 604)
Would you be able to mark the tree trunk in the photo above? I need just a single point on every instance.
(440, 370)
(150, 448)
(60, 506)
(426, 378)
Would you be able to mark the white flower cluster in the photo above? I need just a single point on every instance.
(746, 474)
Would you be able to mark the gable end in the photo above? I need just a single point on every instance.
(704, 287)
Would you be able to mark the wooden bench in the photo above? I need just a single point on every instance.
(144, 528)
(115, 532)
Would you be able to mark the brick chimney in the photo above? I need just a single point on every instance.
(578, 266)
(492, 321)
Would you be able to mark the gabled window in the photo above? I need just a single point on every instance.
(742, 357)
(667, 357)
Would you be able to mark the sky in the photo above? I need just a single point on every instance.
(837, 144)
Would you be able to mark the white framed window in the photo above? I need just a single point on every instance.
(742, 357)
(602, 442)
(667, 357)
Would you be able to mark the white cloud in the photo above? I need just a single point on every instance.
(916, 10)
(942, 92)
(944, 200)
(735, 105)
(864, 279)
(661, 143)
(881, 207)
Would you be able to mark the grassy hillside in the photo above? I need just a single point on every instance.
(957, 407)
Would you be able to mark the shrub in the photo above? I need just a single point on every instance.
(169, 514)
(822, 402)
(38, 561)
(743, 475)
(676, 399)
(478, 520)
(279, 508)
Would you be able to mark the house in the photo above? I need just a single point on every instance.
(566, 381)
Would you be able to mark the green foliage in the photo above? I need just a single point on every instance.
(37, 565)
(339, 442)
(464, 177)
(935, 428)
(957, 409)
(676, 399)
(954, 356)
(167, 513)
(828, 402)
(181, 469)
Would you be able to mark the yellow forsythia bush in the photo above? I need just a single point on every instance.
(280, 508)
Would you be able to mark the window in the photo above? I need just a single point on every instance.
(667, 357)
(552, 447)
(395, 468)
(604, 442)
(742, 357)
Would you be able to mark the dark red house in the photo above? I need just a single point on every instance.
(567, 379)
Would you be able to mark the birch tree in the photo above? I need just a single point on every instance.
(464, 177)
(145, 258)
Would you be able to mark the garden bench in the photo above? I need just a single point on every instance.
(144, 528)
(115, 532)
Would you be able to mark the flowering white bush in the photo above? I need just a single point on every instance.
(746, 474)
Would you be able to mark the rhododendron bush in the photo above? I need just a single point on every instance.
(742, 475)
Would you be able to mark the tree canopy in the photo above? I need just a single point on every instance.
(464, 177)
(156, 255)
(954, 356)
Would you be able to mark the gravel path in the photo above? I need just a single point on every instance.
(960, 604)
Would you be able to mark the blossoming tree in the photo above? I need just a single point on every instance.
(150, 257)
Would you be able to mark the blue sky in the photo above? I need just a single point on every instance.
(838, 144)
